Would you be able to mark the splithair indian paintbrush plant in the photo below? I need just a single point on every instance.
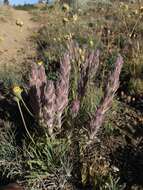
(50, 98)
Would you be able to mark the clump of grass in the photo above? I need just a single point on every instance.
(45, 164)
(5, 14)
(9, 78)
(13, 73)
(108, 183)
(92, 99)
(10, 159)
(48, 164)
(136, 86)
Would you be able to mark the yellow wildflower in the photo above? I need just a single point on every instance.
(40, 63)
(18, 97)
(17, 91)
(66, 7)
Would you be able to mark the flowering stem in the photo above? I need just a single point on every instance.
(24, 123)
(26, 107)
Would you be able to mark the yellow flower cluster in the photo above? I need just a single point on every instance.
(17, 91)
(40, 63)
(65, 7)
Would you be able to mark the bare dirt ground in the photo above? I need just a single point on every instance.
(15, 43)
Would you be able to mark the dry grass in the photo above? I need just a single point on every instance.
(114, 28)
(5, 13)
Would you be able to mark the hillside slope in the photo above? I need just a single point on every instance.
(15, 43)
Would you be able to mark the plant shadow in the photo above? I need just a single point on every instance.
(129, 160)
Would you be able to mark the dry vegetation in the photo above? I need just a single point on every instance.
(5, 14)
(70, 122)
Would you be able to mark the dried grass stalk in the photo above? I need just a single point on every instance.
(73, 50)
(88, 63)
(88, 70)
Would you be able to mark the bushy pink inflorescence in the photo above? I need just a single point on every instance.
(42, 96)
(49, 107)
(37, 83)
(62, 87)
(111, 88)
(48, 100)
